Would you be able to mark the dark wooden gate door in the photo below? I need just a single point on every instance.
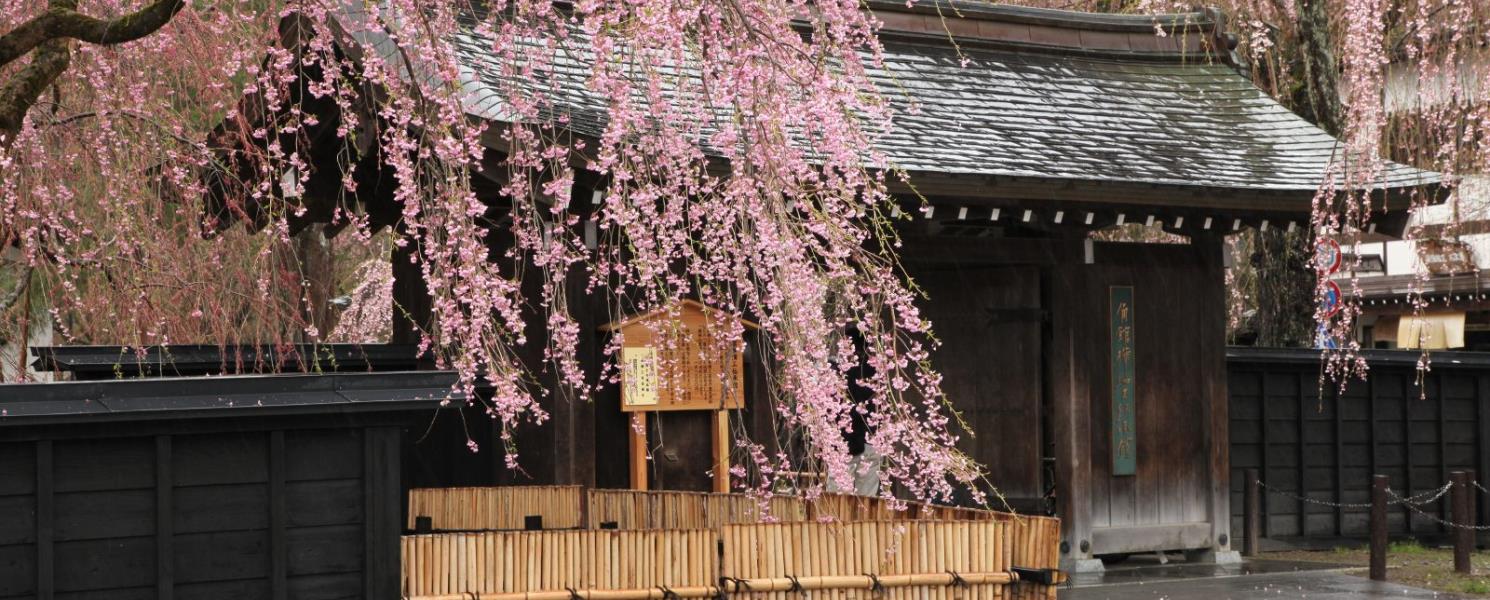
(1178, 336)
(989, 321)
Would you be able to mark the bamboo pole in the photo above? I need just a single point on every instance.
(772, 584)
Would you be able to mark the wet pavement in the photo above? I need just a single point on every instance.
(1252, 579)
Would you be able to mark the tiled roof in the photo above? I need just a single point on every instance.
(1048, 95)
(1099, 119)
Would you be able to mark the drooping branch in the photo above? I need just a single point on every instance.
(62, 20)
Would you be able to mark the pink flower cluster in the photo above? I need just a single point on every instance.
(733, 158)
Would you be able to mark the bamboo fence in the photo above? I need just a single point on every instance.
(685, 510)
(887, 560)
(841, 507)
(629, 509)
(827, 545)
(880, 548)
(527, 561)
(1036, 546)
(730, 509)
(496, 508)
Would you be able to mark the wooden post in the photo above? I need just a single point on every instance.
(1251, 513)
(1474, 509)
(1463, 514)
(1379, 485)
(721, 451)
(639, 451)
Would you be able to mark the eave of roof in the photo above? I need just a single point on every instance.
(1389, 287)
(198, 397)
(92, 362)
(1194, 36)
(1024, 15)
(1242, 355)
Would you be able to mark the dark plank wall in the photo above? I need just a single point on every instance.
(18, 526)
(1327, 446)
(281, 513)
(988, 319)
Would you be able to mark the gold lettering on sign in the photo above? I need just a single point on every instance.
(1124, 373)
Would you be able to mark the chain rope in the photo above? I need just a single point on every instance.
(1410, 506)
(1477, 485)
(1427, 497)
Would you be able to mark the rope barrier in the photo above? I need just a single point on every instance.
(1435, 518)
(1427, 497)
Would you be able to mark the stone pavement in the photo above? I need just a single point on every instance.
(1254, 579)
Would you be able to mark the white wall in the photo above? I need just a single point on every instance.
(41, 335)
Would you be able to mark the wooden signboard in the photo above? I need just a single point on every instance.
(671, 360)
(1124, 389)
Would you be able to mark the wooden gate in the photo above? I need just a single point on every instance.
(989, 321)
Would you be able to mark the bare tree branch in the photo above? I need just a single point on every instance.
(48, 38)
(18, 94)
(10, 299)
(62, 20)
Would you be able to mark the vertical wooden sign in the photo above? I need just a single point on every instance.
(1124, 387)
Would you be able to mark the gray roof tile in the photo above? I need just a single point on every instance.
(1045, 113)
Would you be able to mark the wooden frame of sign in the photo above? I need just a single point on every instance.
(690, 373)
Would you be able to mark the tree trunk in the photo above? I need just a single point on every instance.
(1285, 289)
(1321, 72)
(411, 302)
(317, 268)
(1285, 279)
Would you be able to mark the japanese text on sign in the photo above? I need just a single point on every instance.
(672, 360)
(1124, 391)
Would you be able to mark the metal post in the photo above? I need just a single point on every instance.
(1251, 513)
(1379, 485)
(1462, 514)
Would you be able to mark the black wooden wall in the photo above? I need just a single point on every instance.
(280, 512)
(1327, 446)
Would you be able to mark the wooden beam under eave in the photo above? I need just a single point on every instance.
(951, 188)
(1027, 251)
(497, 137)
